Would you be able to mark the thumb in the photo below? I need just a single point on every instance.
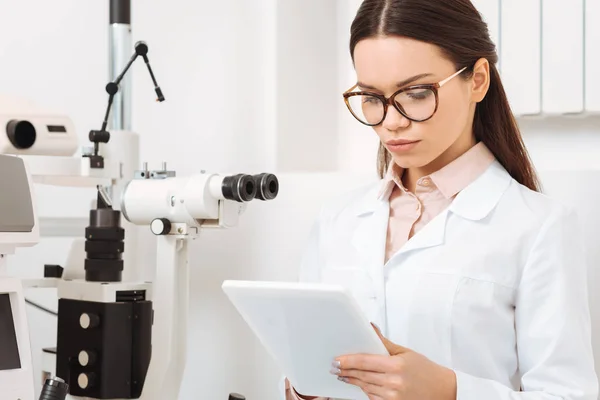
(391, 347)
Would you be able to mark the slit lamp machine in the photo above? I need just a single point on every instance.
(116, 338)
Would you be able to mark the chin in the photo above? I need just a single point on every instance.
(407, 161)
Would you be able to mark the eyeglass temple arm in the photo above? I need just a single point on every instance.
(352, 88)
(442, 83)
(448, 79)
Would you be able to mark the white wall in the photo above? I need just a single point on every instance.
(357, 146)
(250, 87)
(209, 58)
(306, 94)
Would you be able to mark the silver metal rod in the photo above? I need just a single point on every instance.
(120, 52)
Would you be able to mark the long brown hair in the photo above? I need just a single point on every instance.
(457, 28)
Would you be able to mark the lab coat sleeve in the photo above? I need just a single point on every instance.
(552, 322)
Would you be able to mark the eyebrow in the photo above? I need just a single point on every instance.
(399, 84)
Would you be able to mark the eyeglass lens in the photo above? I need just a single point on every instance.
(417, 104)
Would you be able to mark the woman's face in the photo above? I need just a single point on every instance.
(386, 64)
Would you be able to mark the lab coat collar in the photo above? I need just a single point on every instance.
(474, 202)
(369, 201)
(478, 199)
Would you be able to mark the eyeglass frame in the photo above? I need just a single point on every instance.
(387, 101)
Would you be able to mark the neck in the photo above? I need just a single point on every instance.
(412, 175)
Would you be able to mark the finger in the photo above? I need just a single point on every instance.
(365, 362)
(368, 388)
(374, 378)
(391, 347)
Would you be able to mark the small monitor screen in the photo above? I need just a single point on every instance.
(9, 351)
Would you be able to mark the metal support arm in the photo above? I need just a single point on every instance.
(169, 332)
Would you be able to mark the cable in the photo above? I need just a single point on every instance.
(41, 308)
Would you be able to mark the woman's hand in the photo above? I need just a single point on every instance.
(403, 375)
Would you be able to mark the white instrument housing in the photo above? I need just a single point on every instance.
(186, 200)
(27, 129)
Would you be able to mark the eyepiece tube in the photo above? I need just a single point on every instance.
(267, 186)
(240, 188)
(54, 389)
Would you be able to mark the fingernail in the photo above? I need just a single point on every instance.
(345, 380)
(335, 371)
(376, 326)
(336, 364)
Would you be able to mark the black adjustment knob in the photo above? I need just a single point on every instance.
(141, 48)
(236, 396)
(89, 321)
(160, 226)
(112, 88)
(99, 136)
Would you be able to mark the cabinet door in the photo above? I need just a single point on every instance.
(562, 56)
(520, 54)
(592, 56)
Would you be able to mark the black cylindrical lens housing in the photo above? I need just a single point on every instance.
(240, 188)
(267, 186)
(104, 246)
(54, 389)
(22, 134)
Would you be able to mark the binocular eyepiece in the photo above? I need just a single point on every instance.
(244, 188)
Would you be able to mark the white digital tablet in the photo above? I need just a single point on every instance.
(305, 327)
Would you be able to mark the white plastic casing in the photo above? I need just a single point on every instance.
(186, 200)
(63, 142)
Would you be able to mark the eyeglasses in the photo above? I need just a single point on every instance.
(417, 103)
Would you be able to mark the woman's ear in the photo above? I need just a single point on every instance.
(480, 80)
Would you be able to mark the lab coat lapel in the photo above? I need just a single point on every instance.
(370, 235)
(430, 235)
(368, 241)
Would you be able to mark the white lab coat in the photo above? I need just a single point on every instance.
(494, 287)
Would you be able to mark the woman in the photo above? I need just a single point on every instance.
(475, 281)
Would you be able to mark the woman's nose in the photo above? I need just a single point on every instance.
(394, 120)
